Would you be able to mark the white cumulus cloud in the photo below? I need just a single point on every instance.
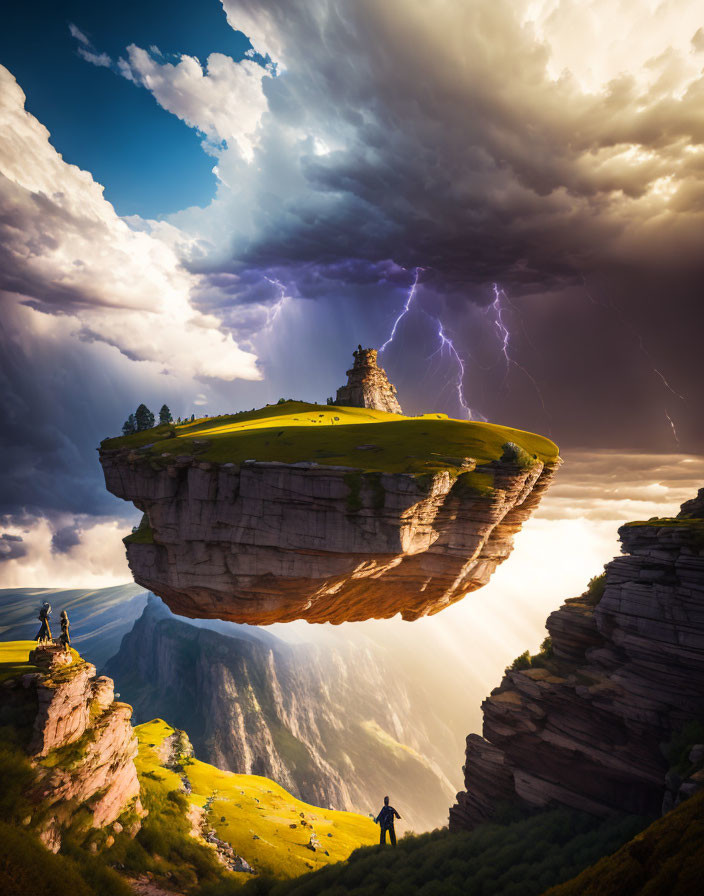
(65, 251)
(224, 99)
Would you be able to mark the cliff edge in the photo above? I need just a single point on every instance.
(329, 514)
(587, 723)
(77, 738)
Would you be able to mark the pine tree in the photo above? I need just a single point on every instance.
(129, 426)
(144, 417)
(165, 415)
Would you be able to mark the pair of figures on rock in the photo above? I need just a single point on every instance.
(44, 636)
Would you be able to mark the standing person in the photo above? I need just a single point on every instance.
(44, 633)
(385, 819)
(65, 637)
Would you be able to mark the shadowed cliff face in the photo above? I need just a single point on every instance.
(333, 725)
(585, 724)
(264, 542)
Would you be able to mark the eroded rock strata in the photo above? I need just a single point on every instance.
(585, 726)
(263, 542)
(81, 744)
(368, 385)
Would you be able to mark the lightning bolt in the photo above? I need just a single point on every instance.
(505, 341)
(611, 306)
(673, 427)
(273, 312)
(446, 343)
(405, 310)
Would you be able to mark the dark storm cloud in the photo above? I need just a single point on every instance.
(450, 148)
(395, 136)
(436, 136)
(65, 538)
(11, 547)
(52, 411)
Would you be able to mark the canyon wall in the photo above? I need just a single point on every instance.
(588, 722)
(335, 724)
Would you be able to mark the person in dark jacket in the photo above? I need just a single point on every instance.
(65, 636)
(385, 820)
(44, 633)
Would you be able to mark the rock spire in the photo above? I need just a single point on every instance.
(368, 385)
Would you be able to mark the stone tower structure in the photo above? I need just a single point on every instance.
(367, 385)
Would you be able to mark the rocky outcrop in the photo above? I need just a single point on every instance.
(586, 724)
(81, 746)
(263, 542)
(367, 385)
(335, 724)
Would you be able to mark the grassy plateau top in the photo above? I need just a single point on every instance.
(362, 438)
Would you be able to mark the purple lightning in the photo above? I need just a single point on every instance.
(445, 343)
(611, 306)
(273, 312)
(404, 312)
(505, 340)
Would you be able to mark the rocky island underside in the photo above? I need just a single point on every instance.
(325, 513)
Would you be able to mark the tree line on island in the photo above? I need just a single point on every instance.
(143, 419)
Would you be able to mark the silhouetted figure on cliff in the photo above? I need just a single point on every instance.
(385, 819)
(44, 633)
(65, 638)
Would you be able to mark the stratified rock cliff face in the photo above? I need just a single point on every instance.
(333, 724)
(585, 728)
(367, 385)
(263, 542)
(81, 744)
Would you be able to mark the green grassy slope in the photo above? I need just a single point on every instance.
(27, 868)
(357, 437)
(667, 857)
(261, 821)
(522, 858)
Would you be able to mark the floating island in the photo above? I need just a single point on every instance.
(327, 513)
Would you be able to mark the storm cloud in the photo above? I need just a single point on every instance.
(482, 143)
(553, 149)
(438, 135)
(12, 547)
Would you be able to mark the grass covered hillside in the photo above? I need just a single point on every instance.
(278, 835)
(522, 858)
(668, 857)
(362, 438)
